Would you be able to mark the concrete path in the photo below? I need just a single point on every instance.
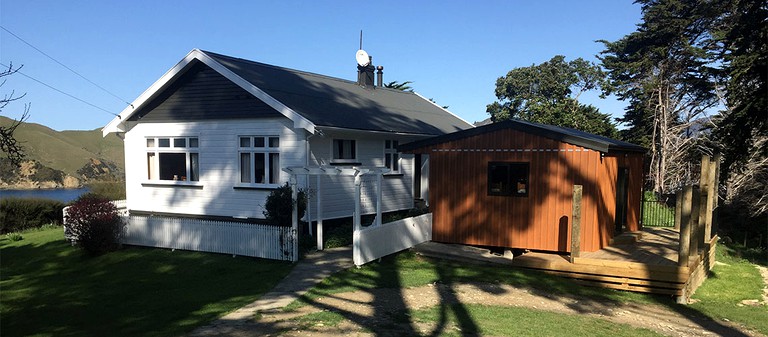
(307, 273)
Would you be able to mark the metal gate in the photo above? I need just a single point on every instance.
(658, 210)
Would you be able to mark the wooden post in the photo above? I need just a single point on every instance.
(576, 223)
(294, 218)
(704, 183)
(695, 228)
(685, 227)
(319, 216)
(356, 222)
(308, 208)
(678, 209)
(715, 196)
(711, 198)
(378, 199)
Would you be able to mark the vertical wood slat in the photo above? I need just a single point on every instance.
(263, 241)
(464, 213)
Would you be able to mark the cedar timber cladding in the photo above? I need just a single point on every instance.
(463, 212)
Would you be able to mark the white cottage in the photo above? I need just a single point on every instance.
(211, 137)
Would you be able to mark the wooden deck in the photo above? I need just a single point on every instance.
(648, 264)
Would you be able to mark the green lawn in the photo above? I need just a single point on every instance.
(511, 321)
(730, 282)
(718, 297)
(52, 289)
(406, 269)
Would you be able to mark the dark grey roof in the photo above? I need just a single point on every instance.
(333, 102)
(567, 135)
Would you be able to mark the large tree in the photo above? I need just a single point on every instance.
(549, 93)
(741, 131)
(664, 70)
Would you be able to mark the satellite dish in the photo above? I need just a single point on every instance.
(362, 58)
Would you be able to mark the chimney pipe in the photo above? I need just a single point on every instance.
(380, 77)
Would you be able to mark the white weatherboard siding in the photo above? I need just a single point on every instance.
(337, 192)
(215, 194)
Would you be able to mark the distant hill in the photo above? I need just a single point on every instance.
(84, 155)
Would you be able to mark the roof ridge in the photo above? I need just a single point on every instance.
(309, 73)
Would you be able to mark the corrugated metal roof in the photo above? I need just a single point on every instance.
(333, 102)
(568, 135)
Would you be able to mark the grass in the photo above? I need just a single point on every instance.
(409, 270)
(484, 320)
(718, 296)
(52, 289)
(730, 282)
(324, 318)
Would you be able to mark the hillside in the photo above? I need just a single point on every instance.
(84, 155)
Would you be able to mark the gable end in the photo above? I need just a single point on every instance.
(202, 93)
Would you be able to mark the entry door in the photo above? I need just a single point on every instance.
(622, 190)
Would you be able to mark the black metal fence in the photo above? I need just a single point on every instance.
(658, 210)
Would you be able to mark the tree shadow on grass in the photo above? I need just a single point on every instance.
(52, 288)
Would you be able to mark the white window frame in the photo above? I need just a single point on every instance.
(335, 160)
(251, 150)
(191, 149)
(391, 151)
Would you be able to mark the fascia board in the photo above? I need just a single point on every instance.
(117, 123)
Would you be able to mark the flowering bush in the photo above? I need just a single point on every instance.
(93, 223)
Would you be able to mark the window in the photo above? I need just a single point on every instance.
(259, 160)
(391, 156)
(344, 151)
(173, 159)
(506, 178)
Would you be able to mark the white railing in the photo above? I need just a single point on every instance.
(375, 242)
(264, 241)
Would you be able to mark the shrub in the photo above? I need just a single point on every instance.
(110, 189)
(14, 236)
(17, 214)
(93, 223)
(279, 205)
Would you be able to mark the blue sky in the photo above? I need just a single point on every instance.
(453, 51)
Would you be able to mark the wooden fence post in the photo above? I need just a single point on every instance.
(685, 227)
(576, 222)
(678, 209)
(695, 225)
(712, 197)
(704, 182)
